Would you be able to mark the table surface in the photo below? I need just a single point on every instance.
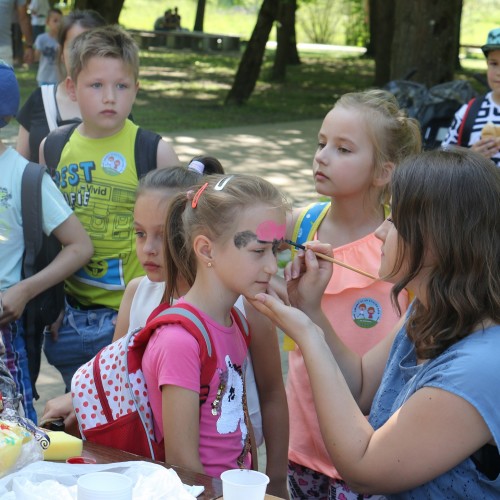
(106, 455)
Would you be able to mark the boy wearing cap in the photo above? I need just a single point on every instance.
(57, 218)
(477, 124)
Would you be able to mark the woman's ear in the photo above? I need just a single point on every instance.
(383, 175)
(202, 246)
(71, 88)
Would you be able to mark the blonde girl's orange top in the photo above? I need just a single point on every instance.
(361, 313)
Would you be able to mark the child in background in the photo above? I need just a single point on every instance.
(47, 50)
(39, 10)
(98, 174)
(361, 141)
(49, 107)
(432, 387)
(57, 218)
(470, 120)
(221, 240)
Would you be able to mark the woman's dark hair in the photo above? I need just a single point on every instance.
(446, 209)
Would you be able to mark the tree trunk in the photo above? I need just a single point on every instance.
(200, 15)
(286, 20)
(251, 61)
(382, 29)
(372, 28)
(109, 9)
(425, 38)
(458, 65)
(293, 53)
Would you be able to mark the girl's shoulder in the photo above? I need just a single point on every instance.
(133, 284)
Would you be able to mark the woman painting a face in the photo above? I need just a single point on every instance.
(433, 384)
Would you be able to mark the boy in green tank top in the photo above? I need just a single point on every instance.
(98, 174)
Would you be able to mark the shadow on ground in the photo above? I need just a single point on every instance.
(282, 153)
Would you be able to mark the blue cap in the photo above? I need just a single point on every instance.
(9, 93)
(493, 42)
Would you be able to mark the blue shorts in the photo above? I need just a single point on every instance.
(83, 333)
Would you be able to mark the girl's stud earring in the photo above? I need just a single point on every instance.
(209, 264)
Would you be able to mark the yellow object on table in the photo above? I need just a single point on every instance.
(12, 437)
(62, 446)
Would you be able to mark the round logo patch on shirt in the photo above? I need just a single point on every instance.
(366, 312)
(113, 163)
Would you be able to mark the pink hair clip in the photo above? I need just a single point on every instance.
(194, 203)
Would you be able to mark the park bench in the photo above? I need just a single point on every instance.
(471, 49)
(181, 39)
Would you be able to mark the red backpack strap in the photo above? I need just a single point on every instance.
(242, 324)
(464, 119)
(470, 114)
(190, 319)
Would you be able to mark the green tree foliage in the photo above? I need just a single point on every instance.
(357, 27)
(320, 20)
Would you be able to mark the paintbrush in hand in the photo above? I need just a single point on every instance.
(331, 259)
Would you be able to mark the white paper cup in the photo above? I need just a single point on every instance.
(104, 486)
(243, 484)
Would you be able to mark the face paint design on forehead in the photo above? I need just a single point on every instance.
(267, 232)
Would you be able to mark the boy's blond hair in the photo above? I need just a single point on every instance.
(108, 41)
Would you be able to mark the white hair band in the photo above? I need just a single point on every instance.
(197, 166)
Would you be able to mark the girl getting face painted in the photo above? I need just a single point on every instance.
(220, 240)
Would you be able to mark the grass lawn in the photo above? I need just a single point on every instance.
(183, 90)
(141, 14)
(478, 17)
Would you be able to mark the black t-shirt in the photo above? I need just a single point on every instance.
(32, 117)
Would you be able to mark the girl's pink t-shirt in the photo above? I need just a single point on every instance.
(172, 357)
(361, 313)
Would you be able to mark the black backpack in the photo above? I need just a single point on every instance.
(145, 150)
(40, 250)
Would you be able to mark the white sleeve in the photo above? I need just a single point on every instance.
(55, 210)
